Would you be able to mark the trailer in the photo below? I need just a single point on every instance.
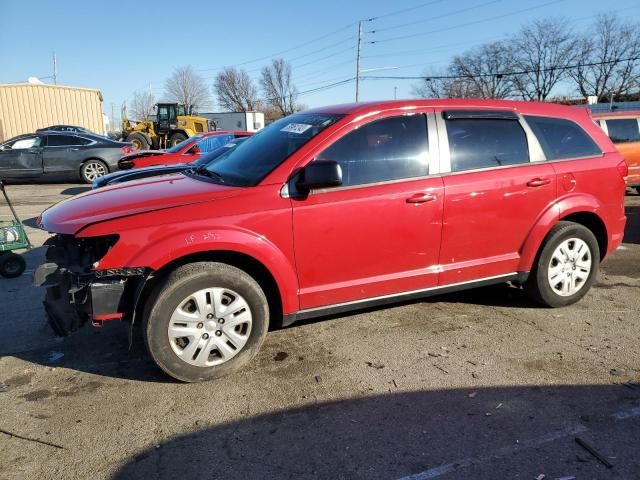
(26, 107)
(231, 121)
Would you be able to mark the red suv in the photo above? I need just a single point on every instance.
(335, 209)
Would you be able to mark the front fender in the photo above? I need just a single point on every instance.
(159, 248)
(563, 207)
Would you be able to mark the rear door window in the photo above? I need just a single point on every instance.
(63, 141)
(562, 139)
(623, 130)
(383, 150)
(476, 143)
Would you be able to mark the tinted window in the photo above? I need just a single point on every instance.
(176, 148)
(623, 130)
(63, 141)
(383, 150)
(562, 138)
(485, 143)
(213, 142)
(256, 157)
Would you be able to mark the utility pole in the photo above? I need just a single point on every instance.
(358, 61)
(395, 93)
(55, 69)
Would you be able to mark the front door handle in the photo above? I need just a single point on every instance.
(421, 198)
(538, 182)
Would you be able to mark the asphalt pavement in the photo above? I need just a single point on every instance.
(481, 384)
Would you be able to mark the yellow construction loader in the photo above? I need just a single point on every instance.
(171, 126)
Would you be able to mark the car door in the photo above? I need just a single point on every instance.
(496, 187)
(22, 157)
(379, 233)
(64, 153)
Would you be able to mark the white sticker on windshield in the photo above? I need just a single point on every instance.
(296, 128)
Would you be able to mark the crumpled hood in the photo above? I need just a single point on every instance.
(130, 198)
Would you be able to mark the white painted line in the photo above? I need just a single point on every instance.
(501, 452)
(624, 415)
(511, 449)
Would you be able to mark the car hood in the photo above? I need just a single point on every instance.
(142, 153)
(130, 198)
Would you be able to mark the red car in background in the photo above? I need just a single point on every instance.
(184, 152)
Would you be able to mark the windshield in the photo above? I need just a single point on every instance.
(255, 158)
(176, 148)
(209, 157)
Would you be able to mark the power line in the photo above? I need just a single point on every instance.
(404, 10)
(403, 37)
(500, 74)
(437, 17)
(277, 54)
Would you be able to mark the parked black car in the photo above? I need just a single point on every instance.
(138, 173)
(83, 155)
(65, 129)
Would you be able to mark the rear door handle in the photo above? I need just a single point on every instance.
(421, 198)
(538, 182)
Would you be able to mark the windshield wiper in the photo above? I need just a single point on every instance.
(205, 172)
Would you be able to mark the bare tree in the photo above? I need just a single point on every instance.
(278, 89)
(543, 49)
(185, 86)
(443, 85)
(485, 68)
(608, 59)
(143, 104)
(235, 91)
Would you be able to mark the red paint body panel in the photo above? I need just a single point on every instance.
(347, 244)
(487, 217)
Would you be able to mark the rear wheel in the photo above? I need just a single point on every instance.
(138, 141)
(566, 266)
(205, 321)
(92, 169)
(176, 138)
(12, 265)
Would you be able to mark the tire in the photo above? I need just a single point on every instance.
(12, 265)
(93, 169)
(176, 138)
(637, 189)
(175, 306)
(138, 141)
(558, 279)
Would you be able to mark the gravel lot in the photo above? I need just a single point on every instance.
(481, 384)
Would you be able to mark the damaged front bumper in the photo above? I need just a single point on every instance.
(77, 293)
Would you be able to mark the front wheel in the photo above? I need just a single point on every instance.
(93, 169)
(205, 321)
(565, 267)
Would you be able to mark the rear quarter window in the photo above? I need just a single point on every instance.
(623, 130)
(562, 139)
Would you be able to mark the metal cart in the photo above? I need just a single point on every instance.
(12, 237)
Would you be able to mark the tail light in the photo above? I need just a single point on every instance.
(623, 168)
(127, 150)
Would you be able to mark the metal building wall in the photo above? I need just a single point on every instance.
(25, 107)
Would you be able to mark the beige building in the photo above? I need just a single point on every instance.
(25, 107)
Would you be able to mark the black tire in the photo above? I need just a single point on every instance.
(12, 265)
(176, 138)
(538, 285)
(138, 141)
(183, 282)
(93, 169)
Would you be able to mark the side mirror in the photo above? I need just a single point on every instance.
(319, 174)
(195, 150)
